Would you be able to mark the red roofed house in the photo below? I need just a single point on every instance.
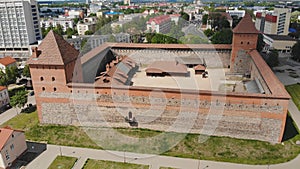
(12, 145)
(7, 62)
(159, 24)
(4, 98)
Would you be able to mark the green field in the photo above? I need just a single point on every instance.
(214, 148)
(52, 134)
(294, 91)
(93, 164)
(63, 162)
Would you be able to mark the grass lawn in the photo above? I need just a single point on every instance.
(91, 164)
(52, 134)
(294, 91)
(63, 162)
(166, 168)
(215, 148)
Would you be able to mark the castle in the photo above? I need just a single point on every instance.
(100, 88)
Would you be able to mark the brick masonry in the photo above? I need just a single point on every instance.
(214, 118)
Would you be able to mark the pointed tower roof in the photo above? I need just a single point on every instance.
(246, 25)
(54, 50)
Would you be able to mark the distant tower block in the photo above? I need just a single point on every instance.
(126, 2)
(244, 38)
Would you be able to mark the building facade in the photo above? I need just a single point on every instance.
(275, 22)
(12, 145)
(281, 43)
(64, 22)
(19, 27)
(159, 24)
(88, 24)
(4, 98)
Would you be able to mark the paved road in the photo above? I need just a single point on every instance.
(154, 161)
(9, 114)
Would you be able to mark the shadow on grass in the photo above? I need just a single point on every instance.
(290, 130)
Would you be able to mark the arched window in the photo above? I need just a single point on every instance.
(42, 78)
(54, 89)
(53, 78)
(43, 88)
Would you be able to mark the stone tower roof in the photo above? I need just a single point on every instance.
(53, 50)
(246, 25)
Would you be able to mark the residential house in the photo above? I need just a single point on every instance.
(4, 98)
(7, 62)
(159, 24)
(12, 145)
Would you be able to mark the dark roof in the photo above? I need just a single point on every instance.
(281, 37)
(199, 67)
(167, 67)
(246, 25)
(54, 51)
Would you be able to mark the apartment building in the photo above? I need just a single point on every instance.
(54, 22)
(19, 27)
(159, 24)
(274, 22)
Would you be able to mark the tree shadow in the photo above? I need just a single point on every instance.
(290, 130)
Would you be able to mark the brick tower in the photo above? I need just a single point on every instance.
(244, 39)
(51, 66)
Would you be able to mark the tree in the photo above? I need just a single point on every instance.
(59, 30)
(192, 39)
(69, 32)
(3, 79)
(296, 51)
(26, 71)
(88, 32)
(222, 37)
(19, 99)
(11, 74)
(185, 16)
(272, 58)
(208, 32)
(204, 19)
(117, 29)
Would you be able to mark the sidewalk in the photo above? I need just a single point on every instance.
(154, 161)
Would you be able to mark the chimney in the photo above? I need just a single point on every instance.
(35, 52)
(107, 67)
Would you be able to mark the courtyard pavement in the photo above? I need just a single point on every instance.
(12, 112)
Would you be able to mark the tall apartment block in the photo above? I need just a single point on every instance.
(274, 22)
(19, 27)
